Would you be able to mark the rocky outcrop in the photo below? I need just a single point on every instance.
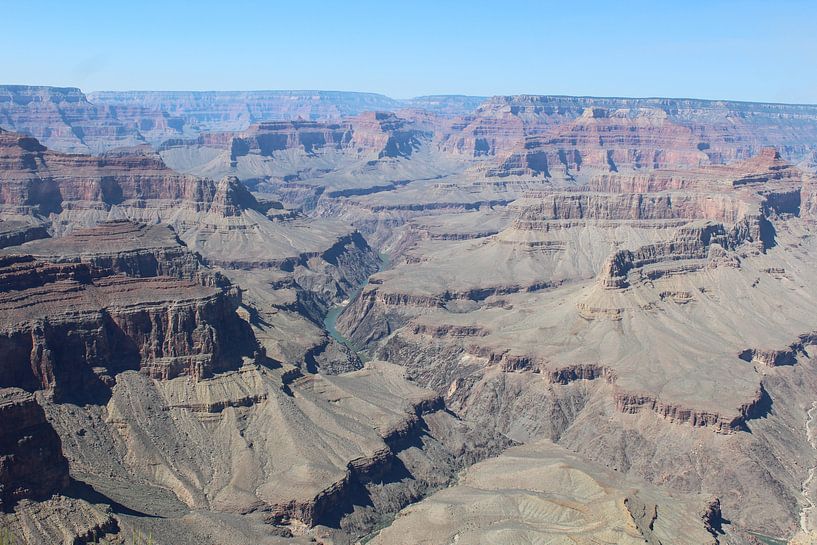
(375, 135)
(63, 118)
(784, 356)
(634, 132)
(38, 181)
(374, 312)
(64, 520)
(628, 207)
(14, 233)
(266, 138)
(764, 185)
(449, 330)
(123, 247)
(384, 134)
(69, 330)
(633, 403)
(607, 140)
(586, 371)
(695, 242)
(32, 465)
(712, 517)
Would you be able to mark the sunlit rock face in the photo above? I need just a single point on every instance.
(291, 317)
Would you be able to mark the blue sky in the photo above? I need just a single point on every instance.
(742, 50)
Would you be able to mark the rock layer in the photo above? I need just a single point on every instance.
(68, 331)
(32, 465)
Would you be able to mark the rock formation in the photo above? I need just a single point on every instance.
(13, 233)
(605, 140)
(576, 277)
(122, 247)
(723, 131)
(64, 119)
(537, 493)
(32, 465)
(70, 329)
(200, 334)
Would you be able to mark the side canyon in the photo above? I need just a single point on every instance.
(295, 317)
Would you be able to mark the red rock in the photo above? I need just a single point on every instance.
(69, 332)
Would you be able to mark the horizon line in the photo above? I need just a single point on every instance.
(464, 95)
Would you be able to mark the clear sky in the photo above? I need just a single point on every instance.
(744, 50)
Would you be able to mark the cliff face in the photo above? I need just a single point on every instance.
(374, 135)
(13, 233)
(231, 111)
(69, 330)
(32, 465)
(609, 140)
(123, 247)
(63, 118)
(221, 223)
(269, 137)
(557, 136)
(385, 135)
(40, 181)
(71, 191)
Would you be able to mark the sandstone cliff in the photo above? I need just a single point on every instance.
(723, 131)
(69, 330)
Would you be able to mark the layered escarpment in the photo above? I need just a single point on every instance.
(120, 246)
(222, 221)
(721, 422)
(70, 329)
(64, 119)
(386, 134)
(651, 306)
(738, 212)
(606, 140)
(271, 136)
(299, 266)
(13, 233)
(544, 134)
(716, 211)
(252, 153)
(42, 182)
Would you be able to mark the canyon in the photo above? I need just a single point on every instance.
(273, 317)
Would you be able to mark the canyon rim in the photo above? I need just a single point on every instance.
(500, 314)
